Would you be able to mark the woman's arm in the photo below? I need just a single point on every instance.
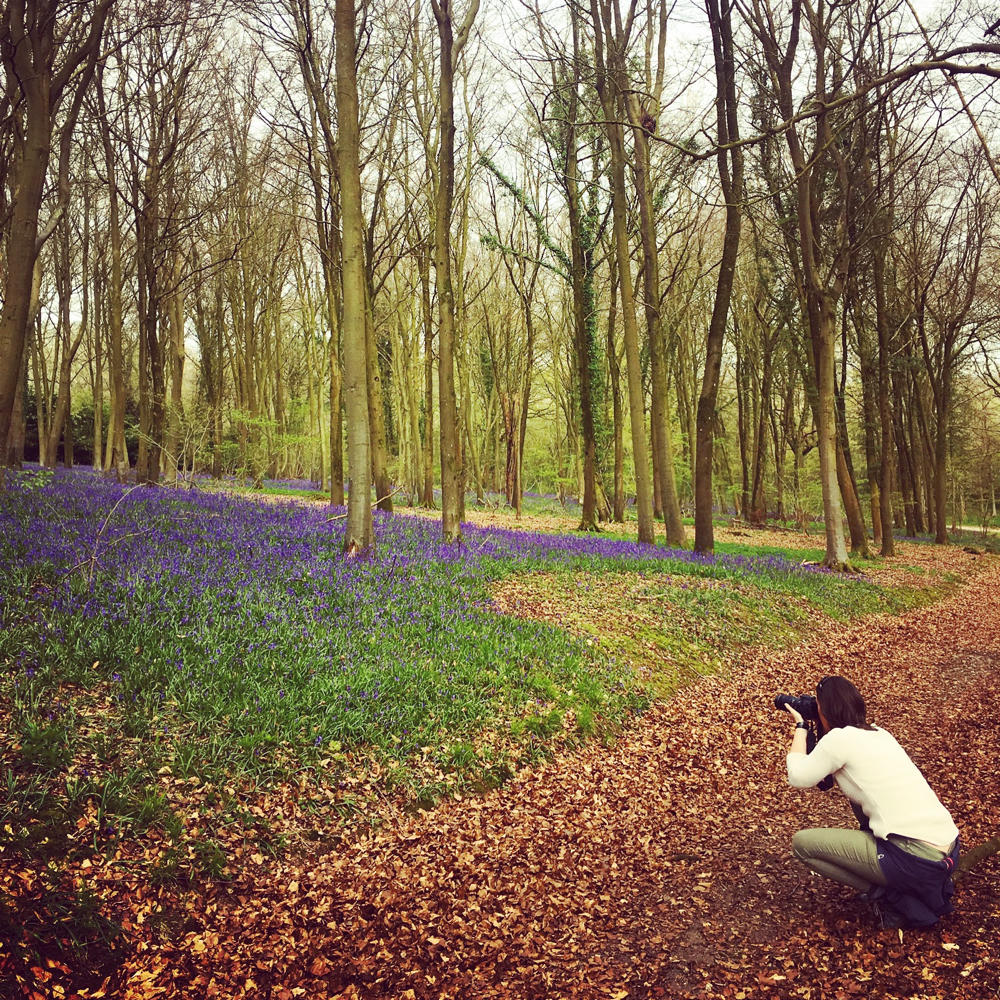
(807, 769)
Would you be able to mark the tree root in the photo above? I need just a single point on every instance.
(839, 567)
(980, 853)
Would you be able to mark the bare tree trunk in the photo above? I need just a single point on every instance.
(758, 500)
(888, 545)
(428, 437)
(15, 442)
(151, 371)
(61, 422)
(525, 400)
(609, 82)
(661, 427)
(359, 536)
(743, 419)
(116, 456)
(940, 494)
(451, 460)
(655, 433)
(582, 221)
(175, 328)
(336, 421)
(868, 364)
(469, 447)
(21, 253)
(376, 411)
(616, 402)
(823, 253)
(836, 545)
(40, 380)
(730, 167)
(97, 356)
(852, 506)
(845, 469)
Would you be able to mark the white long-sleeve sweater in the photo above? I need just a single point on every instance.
(873, 770)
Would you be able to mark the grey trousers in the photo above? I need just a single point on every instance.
(846, 856)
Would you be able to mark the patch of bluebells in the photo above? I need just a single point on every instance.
(584, 548)
(244, 617)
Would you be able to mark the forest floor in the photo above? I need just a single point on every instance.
(658, 866)
(654, 865)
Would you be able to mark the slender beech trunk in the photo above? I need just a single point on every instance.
(743, 410)
(823, 251)
(730, 167)
(941, 455)
(663, 457)
(616, 403)
(175, 413)
(61, 421)
(427, 499)
(416, 447)
(451, 471)
(609, 63)
(359, 536)
(376, 410)
(868, 364)
(15, 440)
(823, 325)
(758, 499)
(529, 365)
(886, 422)
(582, 224)
(845, 469)
(116, 455)
(97, 343)
(336, 404)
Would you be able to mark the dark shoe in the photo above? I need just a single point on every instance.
(875, 893)
(888, 918)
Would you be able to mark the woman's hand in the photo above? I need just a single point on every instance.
(795, 715)
(798, 733)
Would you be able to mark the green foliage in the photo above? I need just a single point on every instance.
(35, 479)
(45, 747)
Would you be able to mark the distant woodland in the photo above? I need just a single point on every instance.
(668, 260)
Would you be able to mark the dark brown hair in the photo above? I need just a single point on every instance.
(841, 703)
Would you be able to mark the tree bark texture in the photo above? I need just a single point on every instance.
(359, 535)
(451, 472)
(608, 53)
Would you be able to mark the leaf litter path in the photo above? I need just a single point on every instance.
(658, 867)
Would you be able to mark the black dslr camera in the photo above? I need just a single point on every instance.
(808, 708)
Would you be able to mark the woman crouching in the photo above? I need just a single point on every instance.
(902, 858)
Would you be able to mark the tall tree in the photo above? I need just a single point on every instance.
(451, 46)
(359, 536)
(116, 454)
(945, 264)
(822, 251)
(566, 121)
(298, 28)
(611, 37)
(643, 113)
(49, 50)
(730, 165)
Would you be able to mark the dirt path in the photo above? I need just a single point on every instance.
(658, 867)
